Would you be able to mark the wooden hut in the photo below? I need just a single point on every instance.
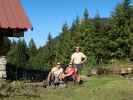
(13, 23)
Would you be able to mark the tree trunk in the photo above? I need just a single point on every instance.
(1, 45)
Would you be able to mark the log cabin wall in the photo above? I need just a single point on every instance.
(3, 61)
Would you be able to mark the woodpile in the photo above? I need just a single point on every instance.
(125, 71)
(117, 71)
(97, 71)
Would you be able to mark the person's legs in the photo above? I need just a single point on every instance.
(78, 69)
(51, 79)
(57, 78)
(78, 77)
(61, 78)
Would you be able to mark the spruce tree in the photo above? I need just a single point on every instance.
(32, 52)
(86, 14)
(50, 56)
(65, 45)
(4, 45)
(121, 30)
(17, 56)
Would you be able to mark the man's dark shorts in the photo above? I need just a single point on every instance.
(78, 66)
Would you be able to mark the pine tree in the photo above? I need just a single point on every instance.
(17, 56)
(4, 45)
(32, 52)
(65, 45)
(120, 32)
(76, 32)
(86, 14)
(50, 54)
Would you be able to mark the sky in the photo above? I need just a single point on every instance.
(49, 15)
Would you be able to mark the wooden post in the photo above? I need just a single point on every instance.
(2, 58)
(1, 44)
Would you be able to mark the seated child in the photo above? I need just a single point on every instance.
(55, 74)
(70, 72)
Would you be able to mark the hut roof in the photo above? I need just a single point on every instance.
(12, 15)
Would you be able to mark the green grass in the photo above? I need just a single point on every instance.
(96, 88)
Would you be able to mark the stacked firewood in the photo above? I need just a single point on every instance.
(118, 71)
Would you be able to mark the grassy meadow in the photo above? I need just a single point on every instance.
(94, 88)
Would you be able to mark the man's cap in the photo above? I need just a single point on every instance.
(77, 47)
(58, 63)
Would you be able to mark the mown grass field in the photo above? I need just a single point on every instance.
(95, 88)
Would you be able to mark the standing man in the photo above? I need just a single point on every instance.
(78, 59)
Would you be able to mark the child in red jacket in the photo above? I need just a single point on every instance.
(70, 72)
